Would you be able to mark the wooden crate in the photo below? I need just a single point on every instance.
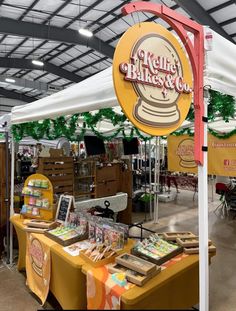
(60, 171)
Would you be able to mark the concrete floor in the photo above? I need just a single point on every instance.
(178, 215)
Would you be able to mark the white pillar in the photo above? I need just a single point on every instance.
(12, 196)
(203, 226)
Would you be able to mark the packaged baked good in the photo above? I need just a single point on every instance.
(38, 202)
(73, 219)
(32, 201)
(44, 184)
(23, 209)
(125, 229)
(27, 191)
(45, 203)
(116, 239)
(106, 234)
(92, 227)
(99, 233)
(83, 222)
(35, 211)
(37, 193)
(29, 209)
(31, 182)
(37, 183)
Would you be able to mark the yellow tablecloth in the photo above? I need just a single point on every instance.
(17, 221)
(174, 288)
(68, 283)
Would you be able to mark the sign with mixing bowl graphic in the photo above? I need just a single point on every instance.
(152, 78)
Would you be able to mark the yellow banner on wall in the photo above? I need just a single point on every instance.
(221, 155)
(181, 154)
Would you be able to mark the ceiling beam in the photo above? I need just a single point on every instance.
(15, 95)
(29, 84)
(197, 12)
(20, 63)
(32, 30)
(221, 6)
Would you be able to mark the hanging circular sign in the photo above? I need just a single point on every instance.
(152, 78)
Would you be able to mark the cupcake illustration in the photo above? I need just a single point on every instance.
(157, 106)
(185, 151)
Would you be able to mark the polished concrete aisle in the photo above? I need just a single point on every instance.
(178, 215)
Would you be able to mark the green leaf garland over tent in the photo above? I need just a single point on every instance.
(220, 105)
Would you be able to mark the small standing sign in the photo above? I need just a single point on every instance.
(64, 207)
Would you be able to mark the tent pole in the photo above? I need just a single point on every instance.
(150, 179)
(12, 196)
(155, 187)
(159, 166)
(203, 224)
(7, 191)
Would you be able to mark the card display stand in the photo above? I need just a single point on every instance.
(39, 193)
(66, 241)
(172, 236)
(132, 275)
(190, 242)
(158, 260)
(135, 263)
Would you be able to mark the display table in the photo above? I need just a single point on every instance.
(175, 287)
(68, 283)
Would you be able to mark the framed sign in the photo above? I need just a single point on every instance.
(152, 78)
(64, 207)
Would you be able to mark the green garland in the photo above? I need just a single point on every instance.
(185, 131)
(62, 127)
(222, 135)
(216, 134)
(220, 105)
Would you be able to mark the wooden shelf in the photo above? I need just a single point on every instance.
(31, 216)
(77, 193)
(82, 177)
(40, 207)
(31, 195)
(41, 188)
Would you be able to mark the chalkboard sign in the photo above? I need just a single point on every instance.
(63, 208)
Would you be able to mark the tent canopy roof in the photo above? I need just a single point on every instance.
(97, 91)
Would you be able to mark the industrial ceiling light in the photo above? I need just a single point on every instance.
(37, 62)
(10, 80)
(85, 32)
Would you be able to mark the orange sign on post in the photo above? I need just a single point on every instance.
(152, 78)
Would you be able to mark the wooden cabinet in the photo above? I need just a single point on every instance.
(84, 179)
(107, 181)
